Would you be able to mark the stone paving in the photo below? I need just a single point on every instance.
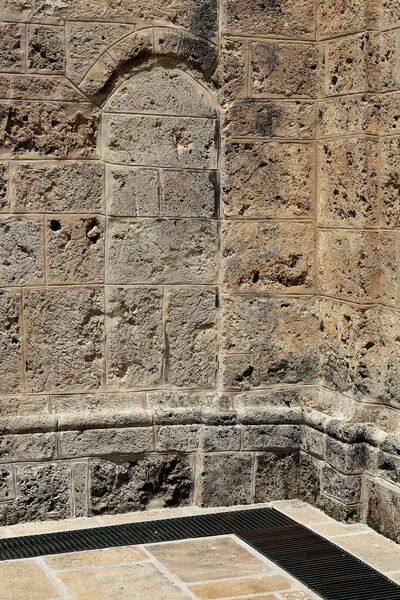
(219, 568)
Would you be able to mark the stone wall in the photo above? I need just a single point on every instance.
(198, 257)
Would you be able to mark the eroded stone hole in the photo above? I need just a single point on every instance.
(55, 225)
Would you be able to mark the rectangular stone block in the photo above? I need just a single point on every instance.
(310, 469)
(51, 130)
(266, 257)
(64, 339)
(389, 359)
(269, 119)
(80, 491)
(162, 251)
(31, 446)
(11, 406)
(183, 438)
(388, 60)
(103, 442)
(345, 488)
(390, 181)
(165, 400)
(42, 87)
(160, 141)
(388, 467)
(277, 476)
(383, 509)
(45, 49)
(191, 337)
(11, 365)
(22, 251)
(389, 113)
(348, 513)
(75, 249)
(4, 186)
(312, 441)
(390, 14)
(224, 479)
(348, 182)
(57, 187)
(237, 371)
(189, 194)
(284, 69)
(230, 73)
(346, 16)
(288, 168)
(348, 458)
(132, 192)
(7, 489)
(349, 115)
(12, 47)
(217, 439)
(135, 337)
(265, 437)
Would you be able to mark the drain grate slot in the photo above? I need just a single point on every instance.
(322, 566)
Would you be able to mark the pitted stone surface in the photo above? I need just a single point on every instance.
(21, 251)
(10, 342)
(133, 192)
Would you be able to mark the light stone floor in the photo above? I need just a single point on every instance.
(202, 569)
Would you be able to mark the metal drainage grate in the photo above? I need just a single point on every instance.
(322, 566)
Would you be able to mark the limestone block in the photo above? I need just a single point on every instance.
(351, 64)
(43, 87)
(200, 53)
(383, 509)
(165, 400)
(7, 491)
(389, 256)
(310, 470)
(191, 337)
(254, 414)
(64, 339)
(10, 342)
(389, 467)
(349, 513)
(217, 439)
(149, 482)
(100, 79)
(225, 479)
(272, 118)
(348, 175)
(50, 130)
(390, 181)
(5, 86)
(63, 187)
(348, 458)
(390, 14)
(345, 488)
(160, 141)
(288, 168)
(103, 442)
(43, 492)
(230, 74)
(162, 91)
(10, 406)
(133, 192)
(282, 333)
(166, 41)
(284, 69)
(46, 49)
(312, 441)
(389, 119)
(277, 476)
(135, 337)
(389, 358)
(349, 115)
(28, 446)
(388, 60)
(22, 251)
(286, 18)
(80, 503)
(86, 42)
(128, 52)
(4, 184)
(189, 194)
(183, 438)
(346, 16)
(162, 251)
(263, 437)
(12, 47)
(237, 371)
(264, 257)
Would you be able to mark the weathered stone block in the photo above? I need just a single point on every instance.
(133, 192)
(349, 513)
(263, 437)
(264, 257)
(150, 482)
(160, 141)
(43, 87)
(7, 491)
(30, 446)
(348, 458)
(135, 337)
(10, 342)
(138, 46)
(383, 509)
(237, 371)
(65, 187)
(389, 119)
(46, 49)
(312, 441)
(284, 69)
(200, 53)
(276, 477)
(22, 251)
(95, 404)
(10, 406)
(230, 74)
(184, 438)
(310, 470)
(50, 130)
(165, 400)
(345, 488)
(101, 79)
(217, 439)
(389, 358)
(389, 467)
(225, 479)
(166, 41)
(12, 47)
(346, 16)
(191, 337)
(348, 175)
(349, 115)
(388, 60)
(103, 442)
(162, 251)
(80, 500)
(4, 194)
(390, 181)
(288, 168)
(189, 194)
(64, 339)
(390, 13)
(75, 249)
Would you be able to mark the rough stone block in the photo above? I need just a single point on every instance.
(162, 251)
(10, 342)
(263, 437)
(277, 477)
(348, 176)
(43, 87)
(7, 491)
(135, 337)
(4, 194)
(389, 119)
(103, 442)
(312, 441)
(166, 41)
(288, 168)
(22, 251)
(230, 74)
(12, 47)
(348, 458)
(30, 446)
(390, 181)
(64, 187)
(80, 501)
(46, 49)
(217, 439)
(383, 509)
(191, 337)
(189, 194)
(165, 400)
(10, 406)
(199, 53)
(280, 68)
(50, 130)
(264, 257)
(237, 371)
(349, 513)
(160, 141)
(133, 192)
(390, 14)
(389, 467)
(225, 479)
(346, 16)
(349, 115)
(130, 50)
(149, 482)
(345, 488)
(64, 339)
(75, 249)
(388, 60)
(183, 438)
(389, 359)
(95, 403)
(310, 470)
